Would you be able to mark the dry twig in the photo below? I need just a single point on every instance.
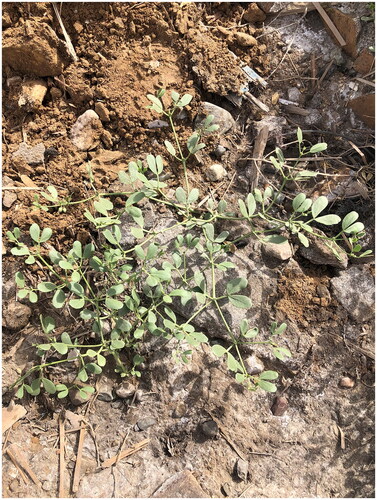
(126, 453)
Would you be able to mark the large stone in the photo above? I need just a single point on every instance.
(222, 117)
(354, 289)
(348, 26)
(87, 130)
(33, 155)
(34, 49)
(364, 108)
(320, 252)
(180, 485)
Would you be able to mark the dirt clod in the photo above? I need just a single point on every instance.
(16, 315)
(279, 406)
(346, 382)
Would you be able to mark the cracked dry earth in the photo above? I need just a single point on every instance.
(201, 434)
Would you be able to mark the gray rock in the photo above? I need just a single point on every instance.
(215, 172)
(125, 390)
(9, 289)
(253, 365)
(180, 410)
(320, 252)
(9, 198)
(294, 95)
(220, 151)
(144, 423)
(16, 315)
(279, 251)
(97, 485)
(354, 289)
(279, 406)
(180, 485)
(105, 393)
(33, 155)
(210, 428)
(86, 131)
(242, 469)
(222, 117)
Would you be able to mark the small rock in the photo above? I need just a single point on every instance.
(279, 406)
(9, 289)
(242, 469)
(145, 423)
(245, 40)
(78, 27)
(346, 382)
(280, 251)
(215, 172)
(32, 94)
(87, 130)
(222, 117)
(180, 485)
(107, 139)
(253, 14)
(354, 289)
(253, 365)
(294, 95)
(157, 124)
(55, 93)
(125, 390)
(102, 111)
(323, 291)
(180, 410)
(227, 489)
(14, 485)
(105, 393)
(16, 315)
(220, 151)
(33, 155)
(118, 23)
(348, 26)
(275, 98)
(364, 108)
(319, 252)
(364, 62)
(51, 153)
(76, 398)
(9, 198)
(210, 428)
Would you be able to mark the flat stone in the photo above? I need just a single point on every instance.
(348, 26)
(280, 251)
(87, 130)
(102, 112)
(354, 289)
(253, 14)
(144, 423)
(36, 50)
(180, 485)
(9, 198)
(210, 428)
(16, 315)
(222, 117)
(242, 469)
(245, 40)
(97, 485)
(364, 108)
(32, 94)
(125, 390)
(319, 252)
(215, 172)
(105, 393)
(253, 365)
(33, 155)
(364, 62)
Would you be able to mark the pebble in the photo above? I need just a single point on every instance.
(105, 394)
(220, 151)
(253, 14)
(215, 172)
(33, 155)
(145, 423)
(245, 40)
(279, 406)
(125, 390)
(280, 251)
(157, 124)
(32, 94)
(86, 131)
(180, 410)
(253, 365)
(107, 138)
(222, 117)
(9, 198)
(210, 428)
(76, 398)
(346, 382)
(102, 111)
(16, 315)
(242, 469)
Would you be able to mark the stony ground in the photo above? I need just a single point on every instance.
(206, 436)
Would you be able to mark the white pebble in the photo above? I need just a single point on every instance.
(216, 172)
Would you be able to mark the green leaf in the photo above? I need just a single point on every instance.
(101, 360)
(281, 353)
(20, 392)
(279, 330)
(328, 220)
(20, 279)
(33, 297)
(319, 205)
(180, 195)
(88, 389)
(88, 251)
(75, 276)
(240, 301)
(44, 347)
(355, 228)
(277, 239)
(157, 104)
(66, 339)
(82, 375)
(251, 204)
(236, 285)
(46, 234)
(86, 314)
(113, 303)
(48, 385)
(266, 386)
(174, 96)
(19, 251)
(193, 142)
(233, 364)
(305, 174)
(64, 264)
(115, 290)
(63, 394)
(58, 299)
(170, 148)
(193, 195)
(77, 303)
(210, 231)
(349, 219)
(152, 251)
(317, 148)
(93, 368)
(23, 293)
(137, 232)
(184, 101)
(218, 350)
(47, 286)
(243, 208)
(140, 252)
(268, 375)
(299, 135)
(117, 344)
(60, 347)
(103, 205)
(35, 232)
(298, 201)
(48, 324)
(30, 260)
(252, 333)
(303, 239)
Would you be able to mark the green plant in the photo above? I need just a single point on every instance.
(121, 295)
